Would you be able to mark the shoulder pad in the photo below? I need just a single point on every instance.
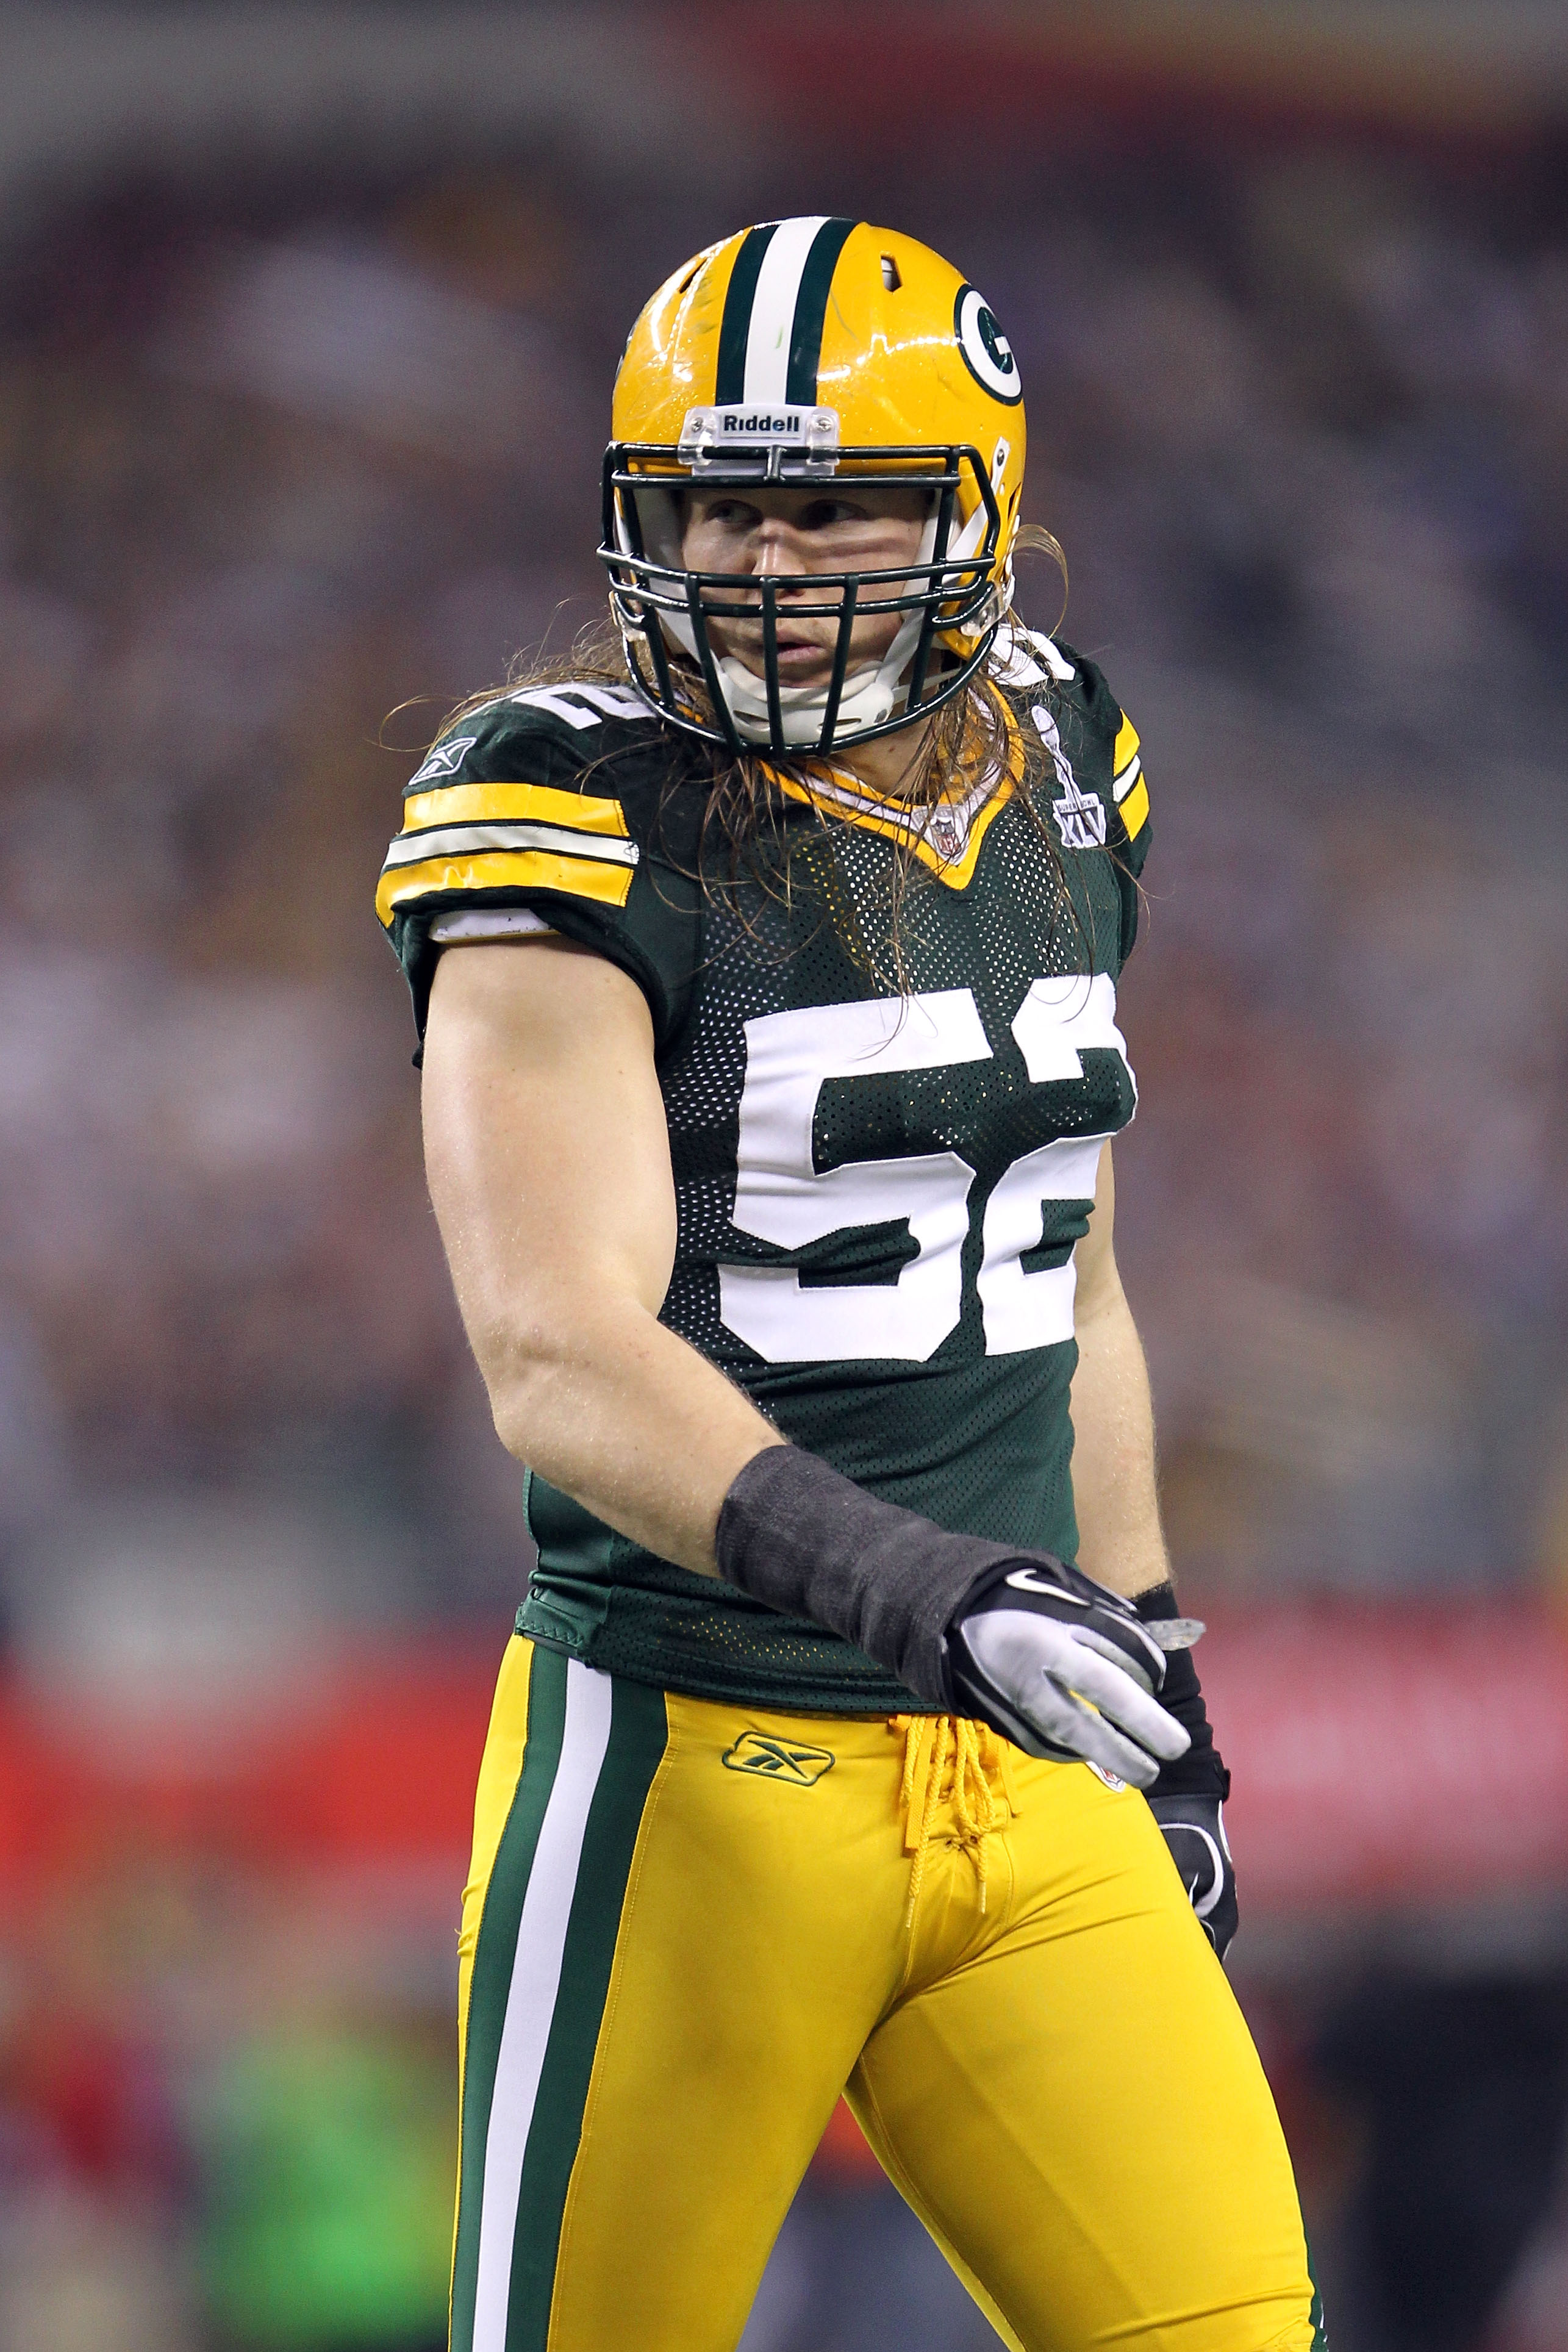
(1129, 791)
(523, 793)
(577, 717)
(1091, 743)
(1109, 723)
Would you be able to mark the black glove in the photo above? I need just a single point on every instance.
(1188, 1798)
(1195, 1832)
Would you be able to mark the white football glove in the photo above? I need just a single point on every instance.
(1064, 1667)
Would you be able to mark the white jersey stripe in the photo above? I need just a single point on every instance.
(468, 840)
(536, 1980)
(773, 308)
(488, 923)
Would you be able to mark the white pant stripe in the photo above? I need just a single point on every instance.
(530, 2000)
(773, 308)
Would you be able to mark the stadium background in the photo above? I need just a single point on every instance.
(308, 318)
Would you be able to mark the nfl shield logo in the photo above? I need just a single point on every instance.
(945, 832)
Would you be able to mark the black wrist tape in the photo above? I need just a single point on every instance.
(796, 1535)
(1200, 1772)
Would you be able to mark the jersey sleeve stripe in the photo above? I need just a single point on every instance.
(402, 886)
(1128, 778)
(491, 803)
(465, 840)
(1135, 809)
(1126, 748)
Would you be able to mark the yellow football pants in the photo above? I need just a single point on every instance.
(690, 1926)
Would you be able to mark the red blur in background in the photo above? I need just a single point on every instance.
(1381, 1754)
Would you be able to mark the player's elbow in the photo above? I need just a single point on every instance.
(517, 1410)
(545, 1371)
(528, 1370)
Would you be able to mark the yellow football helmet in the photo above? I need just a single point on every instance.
(799, 351)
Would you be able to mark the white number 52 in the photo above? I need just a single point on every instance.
(781, 1198)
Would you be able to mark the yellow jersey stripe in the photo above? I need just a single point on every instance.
(1126, 747)
(919, 830)
(896, 829)
(504, 803)
(1135, 809)
(525, 869)
(894, 826)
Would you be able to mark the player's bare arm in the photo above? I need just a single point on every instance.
(1120, 1540)
(548, 1162)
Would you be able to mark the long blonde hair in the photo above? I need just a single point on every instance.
(969, 739)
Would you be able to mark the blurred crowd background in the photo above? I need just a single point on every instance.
(307, 322)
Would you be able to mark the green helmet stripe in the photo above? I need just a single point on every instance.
(734, 327)
(811, 310)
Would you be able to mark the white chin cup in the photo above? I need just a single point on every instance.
(871, 696)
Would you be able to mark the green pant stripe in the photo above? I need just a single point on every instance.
(1319, 2326)
(492, 1977)
(638, 1735)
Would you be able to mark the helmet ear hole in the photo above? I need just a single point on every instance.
(891, 280)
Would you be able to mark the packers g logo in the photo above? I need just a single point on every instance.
(988, 354)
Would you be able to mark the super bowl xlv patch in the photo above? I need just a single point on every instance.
(1080, 817)
(1080, 820)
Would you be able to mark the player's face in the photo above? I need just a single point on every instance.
(791, 535)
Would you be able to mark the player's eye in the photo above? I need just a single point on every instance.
(824, 513)
(732, 514)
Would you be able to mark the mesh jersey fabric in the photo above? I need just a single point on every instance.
(817, 1117)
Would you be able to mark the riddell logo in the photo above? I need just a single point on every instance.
(760, 422)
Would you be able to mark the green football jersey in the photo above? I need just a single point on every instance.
(878, 1191)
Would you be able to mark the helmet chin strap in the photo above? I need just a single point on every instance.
(871, 696)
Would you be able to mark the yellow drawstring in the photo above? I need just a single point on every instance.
(950, 1758)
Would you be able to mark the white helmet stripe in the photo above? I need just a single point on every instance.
(773, 308)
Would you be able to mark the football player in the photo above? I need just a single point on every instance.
(765, 970)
